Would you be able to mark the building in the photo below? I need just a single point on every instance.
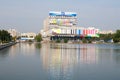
(13, 32)
(64, 25)
(27, 36)
(106, 32)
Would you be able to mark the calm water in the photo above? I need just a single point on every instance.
(32, 61)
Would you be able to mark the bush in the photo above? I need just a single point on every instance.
(58, 41)
(65, 40)
(84, 40)
(89, 41)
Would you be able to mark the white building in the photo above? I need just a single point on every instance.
(106, 32)
(28, 36)
(13, 32)
(63, 24)
(58, 19)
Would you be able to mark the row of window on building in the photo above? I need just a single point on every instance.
(85, 32)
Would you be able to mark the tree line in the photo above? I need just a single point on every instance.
(107, 37)
(116, 37)
(5, 36)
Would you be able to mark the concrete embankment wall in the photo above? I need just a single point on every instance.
(6, 45)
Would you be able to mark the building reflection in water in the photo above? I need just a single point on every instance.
(59, 60)
(13, 51)
(27, 49)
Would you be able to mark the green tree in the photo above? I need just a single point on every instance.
(106, 37)
(14, 38)
(0, 36)
(116, 38)
(38, 38)
(5, 36)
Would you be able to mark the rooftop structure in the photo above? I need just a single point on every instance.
(67, 19)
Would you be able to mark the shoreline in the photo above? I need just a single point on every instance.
(3, 46)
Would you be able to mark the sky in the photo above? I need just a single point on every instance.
(28, 15)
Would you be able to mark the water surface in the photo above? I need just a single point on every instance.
(34, 61)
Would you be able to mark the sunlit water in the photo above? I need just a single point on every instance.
(32, 61)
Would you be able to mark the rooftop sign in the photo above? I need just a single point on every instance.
(69, 14)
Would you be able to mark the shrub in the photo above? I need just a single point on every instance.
(65, 40)
(84, 40)
(58, 41)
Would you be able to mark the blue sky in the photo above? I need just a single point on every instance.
(28, 15)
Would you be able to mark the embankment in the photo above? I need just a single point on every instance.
(7, 45)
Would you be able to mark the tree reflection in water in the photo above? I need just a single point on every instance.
(38, 45)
